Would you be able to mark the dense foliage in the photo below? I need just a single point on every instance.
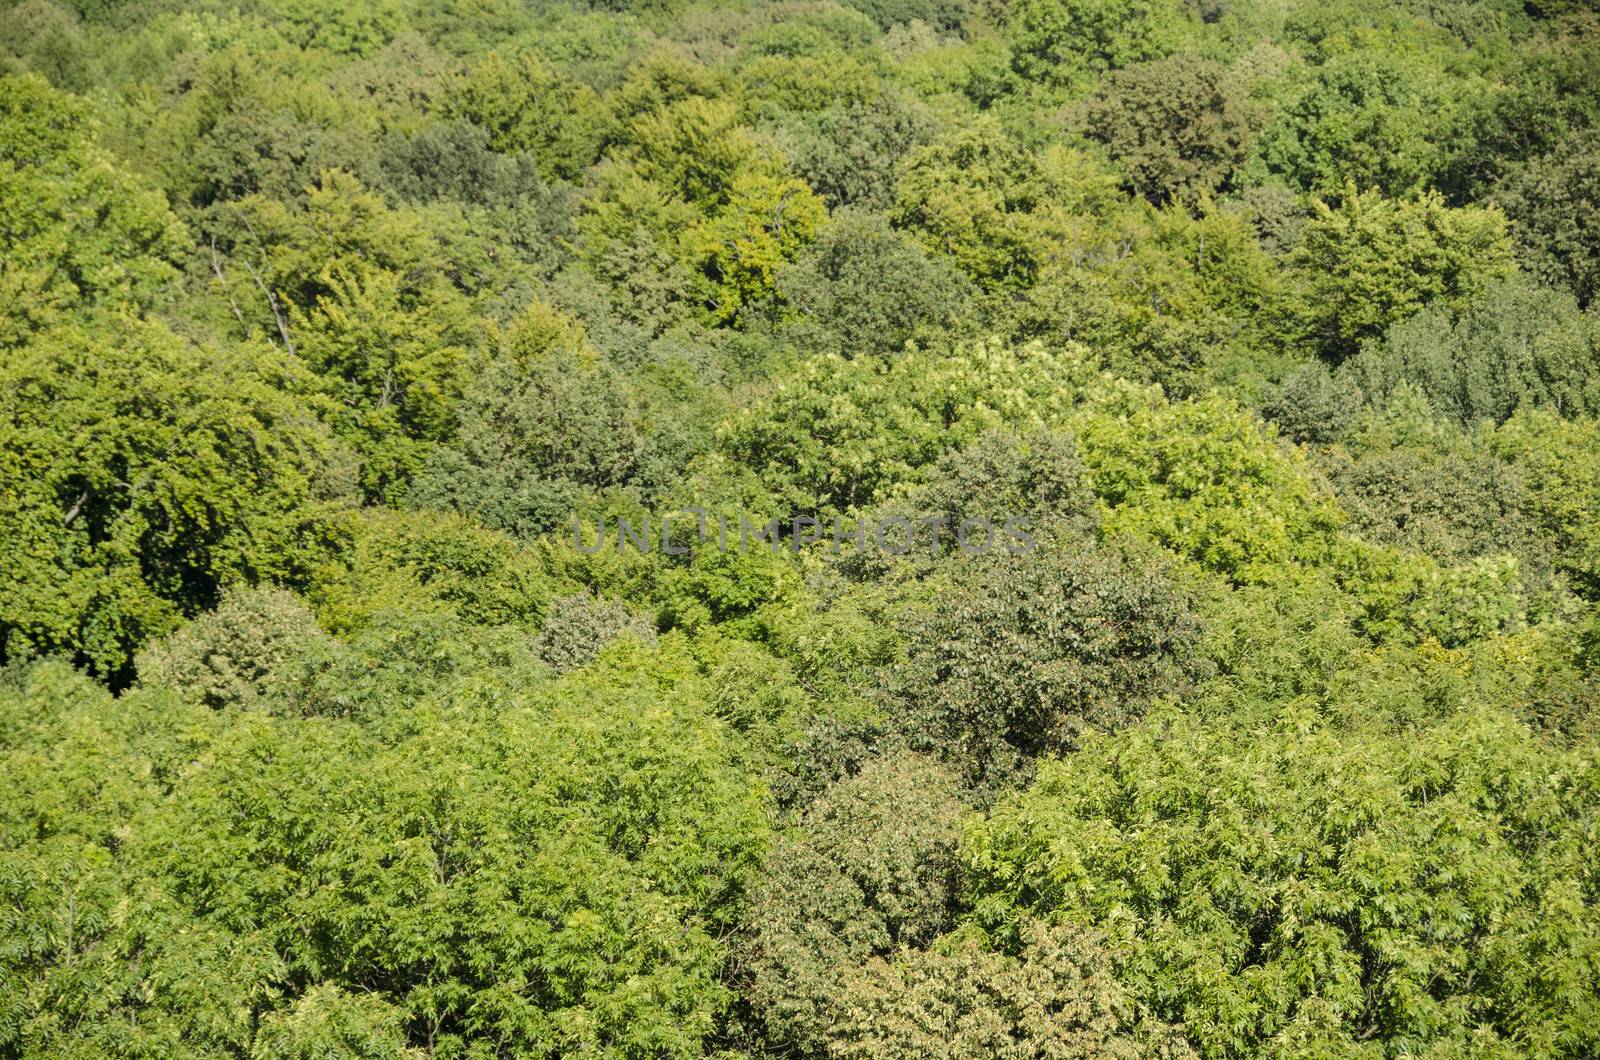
(868, 529)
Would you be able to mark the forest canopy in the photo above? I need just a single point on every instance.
(804, 529)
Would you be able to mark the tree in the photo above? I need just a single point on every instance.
(577, 627)
(288, 883)
(1552, 203)
(1177, 126)
(864, 289)
(77, 234)
(1372, 261)
(1291, 887)
(543, 421)
(49, 40)
(1364, 118)
(739, 252)
(940, 14)
(841, 435)
(236, 130)
(850, 153)
(454, 160)
(525, 106)
(1206, 479)
(1035, 474)
(1512, 345)
(145, 473)
(1025, 654)
(1059, 41)
(345, 29)
(1312, 403)
(372, 299)
(965, 195)
(868, 870)
(1057, 999)
(235, 656)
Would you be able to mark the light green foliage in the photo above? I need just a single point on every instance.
(1557, 459)
(1208, 480)
(79, 767)
(345, 29)
(309, 886)
(329, 1022)
(76, 232)
(806, 83)
(1057, 999)
(1363, 118)
(692, 146)
(968, 195)
(1159, 295)
(739, 253)
(369, 297)
(138, 483)
(428, 563)
(845, 433)
(1372, 261)
(1290, 889)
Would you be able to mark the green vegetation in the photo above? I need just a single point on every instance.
(344, 348)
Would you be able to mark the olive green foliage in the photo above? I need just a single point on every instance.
(524, 106)
(1037, 476)
(1176, 126)
(1029, 652)
(1133, 586)
(869, 869)
(1058, 40)
(863, 288)
(1514, 345)
(232, 657)
(1552, 203)
(577, 627)
(849, 153)
(545, 419)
